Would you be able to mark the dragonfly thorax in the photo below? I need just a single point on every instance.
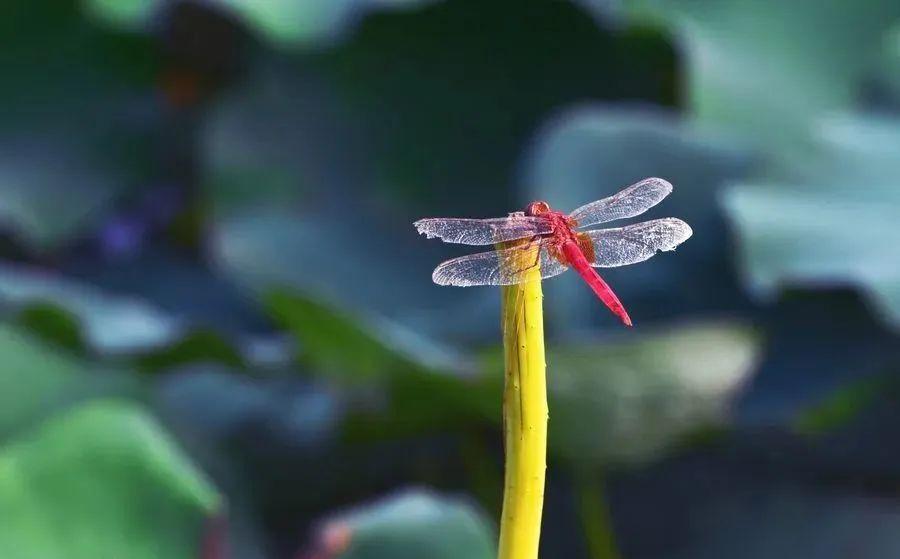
(562, 224)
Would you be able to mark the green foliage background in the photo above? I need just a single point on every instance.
(220, 339)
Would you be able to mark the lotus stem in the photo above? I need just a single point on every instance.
(525, 416)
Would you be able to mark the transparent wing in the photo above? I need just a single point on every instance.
(638, 242)
(482, 231)
(499, 267)
(634, 200)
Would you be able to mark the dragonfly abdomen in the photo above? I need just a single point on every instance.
(579, 262)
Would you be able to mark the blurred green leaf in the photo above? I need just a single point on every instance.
(336, 341)
(124, 14)
(76, 315)
(107, 324)
(197, 346)
(53, 325)
(768, 67)
(101, 481)
(282, 22)
(289, 22)
(36, 380)
(630, 401)
(412, 524)
(834, 221)
(355, 344)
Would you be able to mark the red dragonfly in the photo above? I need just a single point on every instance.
(558, 242)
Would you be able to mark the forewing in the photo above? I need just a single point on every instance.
(507, 266)
(634, 200)
(638, 242)
(482, 231)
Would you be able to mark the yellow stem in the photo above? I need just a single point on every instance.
(524, 418)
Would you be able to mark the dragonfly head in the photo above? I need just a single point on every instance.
(537, 208)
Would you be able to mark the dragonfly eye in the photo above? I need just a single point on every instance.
(537, 208)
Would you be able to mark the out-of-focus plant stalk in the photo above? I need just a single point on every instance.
(524, 417)
(594, 513)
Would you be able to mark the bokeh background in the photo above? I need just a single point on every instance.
(220, 339)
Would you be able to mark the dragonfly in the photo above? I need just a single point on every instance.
(559, 241)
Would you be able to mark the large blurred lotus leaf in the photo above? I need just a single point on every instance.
(35, 379)
(380, 121)
(124, 310)
(101, 481)
(283, 22)
(589, 152)
(110, 324)
(822, 343)
(411, 524)
(381, 269)
(192, 292)
(631, 401)
(71, 136)
(833, 222)
(768, 67)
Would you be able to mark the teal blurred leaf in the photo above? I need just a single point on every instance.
(36, 380)
(633, 400)
(889, 66)
(833, 221)
(103, 480)
(381, 270)
(412, 524)
(219, 407)
(587, 152)
(768, 68)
